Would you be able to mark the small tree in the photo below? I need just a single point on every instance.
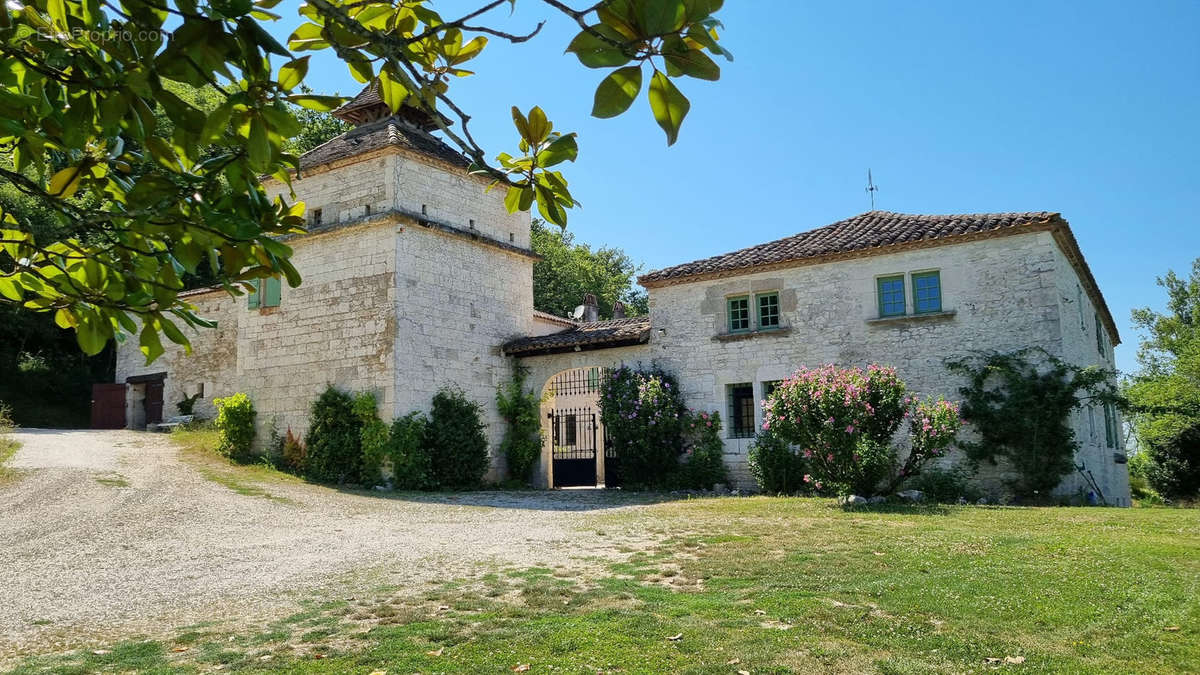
(456, 442)
(643, 413)
(703, 463)
(522, 442)
(334, 439)
(1021, 409)
(235, 426)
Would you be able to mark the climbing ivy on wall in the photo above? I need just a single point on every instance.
(1020, 403)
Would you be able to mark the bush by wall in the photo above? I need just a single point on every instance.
(455, 440)
(522, 442)
(293, 453)
(374, 438)
(412, 466)
(777, 467)
(703, 464)
(945, 485)
(643, 413)
(1020, 404)
(334, 439)
(235, 426)
(843, 421)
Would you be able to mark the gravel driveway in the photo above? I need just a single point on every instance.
(111, 533)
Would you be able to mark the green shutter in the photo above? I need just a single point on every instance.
(253, 301)
(273, 291)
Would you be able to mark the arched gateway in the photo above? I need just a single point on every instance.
(566, 368)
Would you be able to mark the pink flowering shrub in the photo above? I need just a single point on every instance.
(932, 427)
(703, 461)
(644, 416)
(842, 422)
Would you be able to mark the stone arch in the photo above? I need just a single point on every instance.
(543, 369)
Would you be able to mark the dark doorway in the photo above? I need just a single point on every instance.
(154, 402)
(108, 406)
(574, 447)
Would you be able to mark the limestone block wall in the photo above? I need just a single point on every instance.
(212, 366)
(1080, 347)
(338, 327)
(1002, 292)
(457, 301)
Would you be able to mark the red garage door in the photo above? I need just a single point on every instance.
(108, 406)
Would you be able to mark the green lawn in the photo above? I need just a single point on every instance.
(768, 585)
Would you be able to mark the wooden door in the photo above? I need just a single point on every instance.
(108, 406)
(154, 402)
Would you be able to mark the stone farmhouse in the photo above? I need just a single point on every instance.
(415, 278)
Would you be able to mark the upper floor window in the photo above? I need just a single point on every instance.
(768, 310)
(891, 295)
(741, 410)
(266, 293)
(739, 313)
(1099, 335)
(927, 292)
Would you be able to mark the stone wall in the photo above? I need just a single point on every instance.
(997, 294)
(211, 368)
(1079, 346)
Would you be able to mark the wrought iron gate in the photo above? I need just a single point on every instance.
(612, 463)
(574, 447)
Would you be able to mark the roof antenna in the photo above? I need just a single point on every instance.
(872, 188)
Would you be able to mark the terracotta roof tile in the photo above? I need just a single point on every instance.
(590, 335)
(874, 229)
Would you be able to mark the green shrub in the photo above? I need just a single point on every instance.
(522, 444)
(643, 413)
(455, 440)
(1020, 403)
(412, 467)
(1174, 466)
(293, 453)
(945, 485)
(334, 439)
(373, 438)
(776, 466)
(187, 404)
(703, 463)
(235, 426)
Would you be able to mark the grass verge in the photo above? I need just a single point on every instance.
(199, 447)
(8, 445)
(767, 585)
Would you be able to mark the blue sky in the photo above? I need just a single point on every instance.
(1088, 109)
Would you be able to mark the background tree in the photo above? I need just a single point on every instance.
(568, 270)
(82, 79)
(1165, 393)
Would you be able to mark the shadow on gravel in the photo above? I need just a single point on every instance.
(575, 499)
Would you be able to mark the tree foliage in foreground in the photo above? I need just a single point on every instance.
(83, 78)
(568, 270)
(1165, 393)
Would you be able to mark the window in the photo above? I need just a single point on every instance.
(739, 313)
(1110, 426)
(1092, 422)
(768, 310)
(741, 410)
(927, 292)
(1099, 335)
(266, 293)
(891, 296)
(367, 210)
(316, 216)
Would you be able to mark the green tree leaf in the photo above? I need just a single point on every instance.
(292, 73)
(669, 105)
(617, 92)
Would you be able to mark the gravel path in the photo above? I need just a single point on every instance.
(111, 533)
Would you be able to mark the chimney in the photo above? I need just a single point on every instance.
(591, 309)
(618, 309)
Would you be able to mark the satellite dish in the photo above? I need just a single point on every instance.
(577, 314)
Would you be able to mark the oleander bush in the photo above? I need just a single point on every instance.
(235, 426)
(644, 415)
(843, 422)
